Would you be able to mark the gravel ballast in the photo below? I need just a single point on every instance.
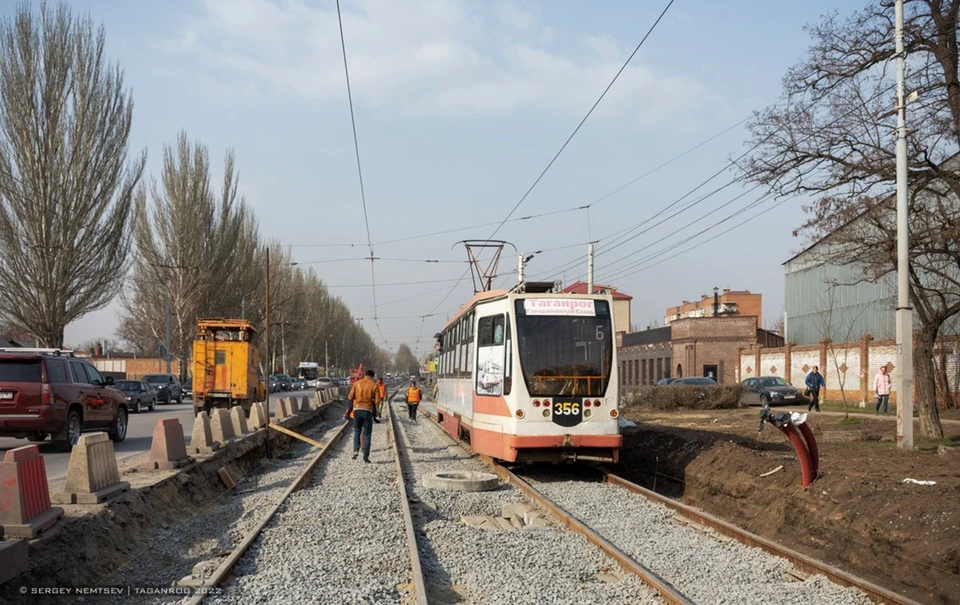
(464, 564)
(701, 566)
(340, 539)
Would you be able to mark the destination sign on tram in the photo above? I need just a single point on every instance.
(559, 306)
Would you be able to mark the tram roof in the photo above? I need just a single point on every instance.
(478, 297)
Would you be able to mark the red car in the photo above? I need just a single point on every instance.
(47, 392)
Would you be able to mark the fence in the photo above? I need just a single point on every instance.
(851, 366)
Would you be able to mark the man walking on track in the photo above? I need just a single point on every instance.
(382, 390)
(414, 395)
(365, 395)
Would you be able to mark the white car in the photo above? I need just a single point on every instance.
(324, 383)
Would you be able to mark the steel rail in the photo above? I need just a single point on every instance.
(416, 570)
(223, 571)
(667, 591)
(876, 593)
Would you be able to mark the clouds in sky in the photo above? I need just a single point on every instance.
(451, 58)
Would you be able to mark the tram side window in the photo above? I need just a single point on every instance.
(490, 356)
(508, 361)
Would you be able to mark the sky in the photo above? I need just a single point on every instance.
(459, 107)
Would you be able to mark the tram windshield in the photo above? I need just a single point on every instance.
(565, 346)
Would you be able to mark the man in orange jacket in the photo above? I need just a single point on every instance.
(364, 395)
(414, 395)
(382, 389)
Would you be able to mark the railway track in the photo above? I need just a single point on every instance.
(686, 555)
(341, 532)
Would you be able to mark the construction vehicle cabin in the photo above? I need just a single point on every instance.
(226, 369)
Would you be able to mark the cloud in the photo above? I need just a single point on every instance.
(424, 57)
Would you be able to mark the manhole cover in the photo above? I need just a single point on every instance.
(461, 481)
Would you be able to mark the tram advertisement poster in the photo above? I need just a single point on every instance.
(560, 306)
(490, 370)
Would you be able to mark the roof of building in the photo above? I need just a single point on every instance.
(647, 337)
(10, 343)
(580, 287)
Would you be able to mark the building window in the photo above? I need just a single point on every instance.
(629, 374)
(644, 364)
(659, 368)
(636, 372)
(666, 367)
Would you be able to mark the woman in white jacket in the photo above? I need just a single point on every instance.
(882, 385)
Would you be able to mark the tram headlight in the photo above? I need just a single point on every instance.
(546, 413)
(614, 413)
(520, 414)
(587, 413)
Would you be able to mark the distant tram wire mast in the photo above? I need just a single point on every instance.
(567, 142)
(363, 196)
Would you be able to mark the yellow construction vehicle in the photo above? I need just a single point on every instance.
(226, 365)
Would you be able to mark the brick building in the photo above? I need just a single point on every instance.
(621, 302)
(729, 302)
(692, 346)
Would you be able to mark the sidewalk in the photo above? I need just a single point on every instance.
(891, 416)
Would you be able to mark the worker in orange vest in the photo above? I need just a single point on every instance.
(382, 389)
(414, 395)
(364, 395)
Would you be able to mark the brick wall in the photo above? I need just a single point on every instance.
(699, 342)
(135, 368)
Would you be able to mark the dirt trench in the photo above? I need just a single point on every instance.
(859, 515)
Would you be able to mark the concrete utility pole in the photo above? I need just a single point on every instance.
(166, 329)
(904, 311)
(590, 269)
(266, 319)
(326, 359)
(520, 270)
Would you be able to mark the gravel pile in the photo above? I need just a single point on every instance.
(700, 565)
(198, 544)
(340, 539)
(464, 564)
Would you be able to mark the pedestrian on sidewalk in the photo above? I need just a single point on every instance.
(814, 383)
(882, 385)
(364, 395)
(414, 395)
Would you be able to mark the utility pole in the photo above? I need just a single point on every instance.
(326, 360)
(904, 311)
(520, 271)
(590, 269)
(166, 329)
(283, 346)
(266, 319)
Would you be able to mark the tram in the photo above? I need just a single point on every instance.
(531, 376)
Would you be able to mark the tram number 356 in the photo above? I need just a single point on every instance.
(567, 408)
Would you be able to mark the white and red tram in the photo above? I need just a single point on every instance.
(527, 377)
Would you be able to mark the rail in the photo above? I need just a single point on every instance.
(416, 570)
(876, 593)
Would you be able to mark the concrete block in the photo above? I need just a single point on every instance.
(227, 478)
(258, 416)
(516, 510)
(168, 450)
(539, 522)
(25, 507)
(283, 410)
(473, 520)
(239, 421)
(14, 559)
(503, 523)
(461, 481)
(202, 440)
(92, 474)
(517, 522)
(221, 427)
(305, 404)
(490, 524)
(530, 515)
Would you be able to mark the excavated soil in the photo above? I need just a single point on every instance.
(859, 515)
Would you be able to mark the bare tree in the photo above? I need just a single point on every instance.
(833, 324)
(197, 253)
(832, 138)
(405, 361)
(65, 184)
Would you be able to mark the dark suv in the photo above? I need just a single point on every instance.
(48, 392)
(168, 387)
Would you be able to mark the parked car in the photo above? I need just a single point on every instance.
(665, 381)
(45, 392)
(187, 387)
(273, 385)
(298, 384)
(138, 393)
(283, 381)
(702, 381)
(168, 387)
(324, 383)
(769, 390)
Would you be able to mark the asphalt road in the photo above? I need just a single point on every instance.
(139, 434)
